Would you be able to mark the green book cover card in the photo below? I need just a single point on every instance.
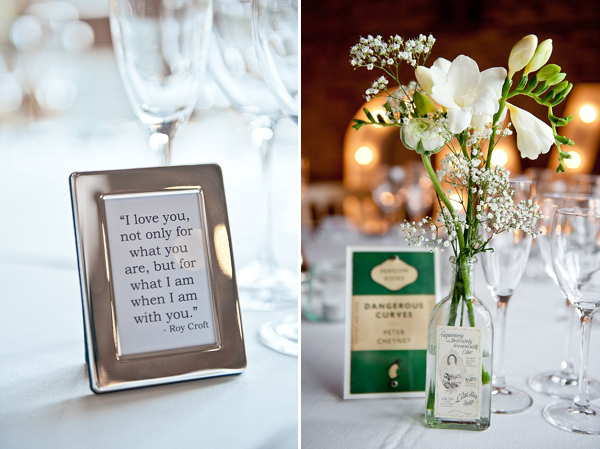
(390, 295)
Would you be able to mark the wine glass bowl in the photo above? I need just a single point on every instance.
(234, 65)
(161, 49)
(275, 27)
(576, 262)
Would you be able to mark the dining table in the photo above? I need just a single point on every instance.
(45, 396)
(535, 342)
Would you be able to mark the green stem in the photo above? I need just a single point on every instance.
(501, 104)
(466, 280)
(444, 198)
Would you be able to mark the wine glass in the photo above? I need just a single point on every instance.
(263, 283)
(576, 261)
(161, 48)
(387, 194)
(561, 383)
(503, 268)
(275, 27)
(275, 30)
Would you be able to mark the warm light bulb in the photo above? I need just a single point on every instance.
(499, 157)
(387, 198)
(364, 156)
(575, 161)
(587, 114)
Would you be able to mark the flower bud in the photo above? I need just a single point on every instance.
(521, 54)
(556, 79)
(547, 72)
(423, 104)
(419, 134)
(540, 57)
(423, 76)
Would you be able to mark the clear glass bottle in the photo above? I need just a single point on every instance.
(459, 357)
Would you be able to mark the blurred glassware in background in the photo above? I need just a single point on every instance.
(387, 193)
(325, 296)
(277, 21)
(417, 192)
(233, 64)
(39, 74)
(161, 48)
(275, 27)
(561, 383)
(549, 182)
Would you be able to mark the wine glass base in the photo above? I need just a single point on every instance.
(558, 385)
(281, 335)
(509, 400)
(266, 287)
(573, 418)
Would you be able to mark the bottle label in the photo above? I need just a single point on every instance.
(458, 377)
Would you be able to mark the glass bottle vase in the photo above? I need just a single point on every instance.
(459, 356)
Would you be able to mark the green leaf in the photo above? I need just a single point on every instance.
(358, 123)
(380, 119)
(368, 114)
(560, 168)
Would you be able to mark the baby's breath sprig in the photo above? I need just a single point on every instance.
(373, 52)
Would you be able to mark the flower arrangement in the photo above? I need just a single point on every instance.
(457, 106)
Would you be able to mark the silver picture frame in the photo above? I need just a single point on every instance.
(109, 370)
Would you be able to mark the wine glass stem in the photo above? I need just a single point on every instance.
(567, 365)
(162, 144)
(266, 158)
(499, 377)
(582, 400)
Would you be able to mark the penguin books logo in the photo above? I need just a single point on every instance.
(394, 274)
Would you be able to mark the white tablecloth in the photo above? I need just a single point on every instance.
(535, 330)
(45, 399)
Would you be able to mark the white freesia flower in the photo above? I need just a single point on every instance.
(465, 91)
(423, 74)
(534, 137)
(420, 134)
(480, 121)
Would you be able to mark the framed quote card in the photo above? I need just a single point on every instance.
(157, 276)
(390, 295)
